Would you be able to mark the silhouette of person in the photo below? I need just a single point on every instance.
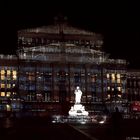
(116, 123)
(78, 94)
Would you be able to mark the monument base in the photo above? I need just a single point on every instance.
(78, 110)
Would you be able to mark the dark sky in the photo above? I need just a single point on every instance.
(118, 22)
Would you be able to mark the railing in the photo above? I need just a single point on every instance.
(116, 61)
(2, 56)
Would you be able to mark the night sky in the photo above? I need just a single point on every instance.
(118, 22)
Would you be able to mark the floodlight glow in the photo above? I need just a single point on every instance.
(83, 122)
(101, 122)
(53, 121)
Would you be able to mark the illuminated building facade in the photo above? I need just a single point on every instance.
(133, 85)
(8, 80)
(52, 60)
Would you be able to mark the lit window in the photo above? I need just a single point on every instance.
(107, 75)
(108, 96)
(113, 76)
(8, 85)
(118, 76)
(14, 77)
(2, 85)
(14, 72)
(120, 96)
(2, 77)
(118, 80)
(8, 107)
(2, 94)
(108, 88)
(119, 88)
(13, 85)
(2, 71)
(8, 94)
(8, 72)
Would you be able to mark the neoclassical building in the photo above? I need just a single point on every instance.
(52, 60)
(133, 85)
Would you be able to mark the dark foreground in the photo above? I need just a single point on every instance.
(128, 130)
(43, 129)
(37, 129)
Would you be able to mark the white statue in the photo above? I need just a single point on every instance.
(78, 109)
(78, 94)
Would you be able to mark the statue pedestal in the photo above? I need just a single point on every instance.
(78, 110)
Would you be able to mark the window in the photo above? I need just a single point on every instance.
(118, 80)
(2, 77)
(2, 72)
(113, 77)
(77, 77)
(119, 88)
(2, 85)
(31, 76)
(8, 94)
(14, 74)
(8, 85)
(108, 88)
(93, 78)
(107, 75)
(13, 85)
(118, 76)
(2, 94)
(8, 72)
